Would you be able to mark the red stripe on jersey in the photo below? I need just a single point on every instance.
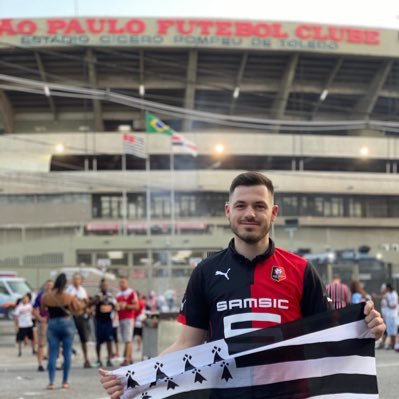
(278, 300)
(181, 319)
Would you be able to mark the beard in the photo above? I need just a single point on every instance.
(250, 237)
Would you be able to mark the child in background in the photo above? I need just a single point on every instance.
(23, 316)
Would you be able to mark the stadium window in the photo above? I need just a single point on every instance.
(355, 207)
(333, 206)
(393, 206)
(84, 258)
(160, 205)
(187, 205)
(111, 206)
(376, 207)
(289, 205)
(136, 207)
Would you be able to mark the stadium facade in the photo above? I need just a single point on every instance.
(315, 107)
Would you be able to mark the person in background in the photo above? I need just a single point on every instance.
(339, 293)
(391, 314)
(139, 317)
(60, 327)
(170, 298)
(41, 316)
(380, 344)
(115, 327)
(23, 315)
(104, 303)
(127, 303)
(34, 341)
(152, 302)
(359, 294)
(82, 320)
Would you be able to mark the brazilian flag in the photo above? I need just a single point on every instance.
(155, 125)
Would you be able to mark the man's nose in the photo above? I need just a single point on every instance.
(249, 211)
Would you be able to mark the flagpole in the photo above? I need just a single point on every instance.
(172, 191)
(124, 196)
(148, 190)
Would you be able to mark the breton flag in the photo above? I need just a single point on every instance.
(134, 145)
(326, 356)
(155, 125)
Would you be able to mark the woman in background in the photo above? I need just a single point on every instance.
(61, 328)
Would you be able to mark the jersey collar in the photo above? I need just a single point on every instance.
(242, 259)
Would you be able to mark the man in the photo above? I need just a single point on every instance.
(251, 284)
(391, 314)
(82, 320)
(41, 316)
(104, 306)
(339, 293)
(127, 303)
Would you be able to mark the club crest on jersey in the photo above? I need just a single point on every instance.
(278, 273)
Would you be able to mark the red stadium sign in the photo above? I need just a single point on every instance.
(171, 32)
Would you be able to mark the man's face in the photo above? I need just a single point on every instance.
(77, 280)
(250, 213)
(123, 284)
(104, 287)
(49, 286)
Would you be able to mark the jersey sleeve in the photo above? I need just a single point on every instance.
(314, 296)
(194, 307)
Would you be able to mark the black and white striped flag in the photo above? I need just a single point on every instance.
(326, 356)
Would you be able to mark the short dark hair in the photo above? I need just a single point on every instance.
(251, 179)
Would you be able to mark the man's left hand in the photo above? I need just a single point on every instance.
(374, 321)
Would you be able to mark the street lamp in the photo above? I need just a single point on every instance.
(59, 148)
(364, 152)
(219, 148)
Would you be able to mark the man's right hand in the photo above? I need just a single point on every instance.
(111, 384)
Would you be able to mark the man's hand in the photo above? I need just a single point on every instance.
(374, 321)
(111, 384)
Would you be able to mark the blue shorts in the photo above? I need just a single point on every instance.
(104, 331)
(392, 328)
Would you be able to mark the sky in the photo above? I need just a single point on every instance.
(368, 13)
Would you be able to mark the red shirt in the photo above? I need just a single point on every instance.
(129, 297)
(140, 308)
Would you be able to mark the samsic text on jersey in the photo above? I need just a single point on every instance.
(229, 295)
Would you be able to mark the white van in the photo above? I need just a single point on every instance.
(11, 289)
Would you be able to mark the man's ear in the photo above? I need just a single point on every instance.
(227, 210)
(274, 212)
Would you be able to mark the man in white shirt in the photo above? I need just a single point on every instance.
(82, 321)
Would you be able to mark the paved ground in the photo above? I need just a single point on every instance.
(19, 377)
(20, 380)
